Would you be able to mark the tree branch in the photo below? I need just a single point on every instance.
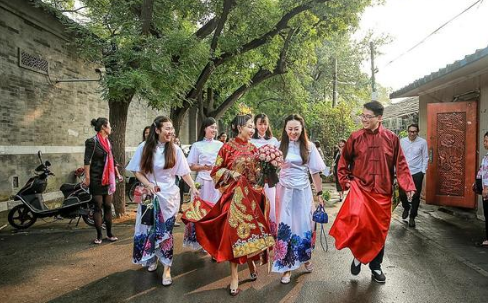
(206, 29)
(280, 25)
(228, 4)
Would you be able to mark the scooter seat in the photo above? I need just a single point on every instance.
(68, 189)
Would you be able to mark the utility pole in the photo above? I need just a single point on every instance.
(334, 84)
(374, 94)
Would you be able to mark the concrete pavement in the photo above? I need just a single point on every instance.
(435, 262)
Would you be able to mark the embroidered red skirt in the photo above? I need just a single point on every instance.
(236, 227)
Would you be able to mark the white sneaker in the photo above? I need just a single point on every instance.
(152, 267)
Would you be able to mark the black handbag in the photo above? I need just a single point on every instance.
(147, 217)
(478, 186)
(320, 217)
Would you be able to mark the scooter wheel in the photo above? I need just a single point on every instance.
(88, 220)
(21, 217)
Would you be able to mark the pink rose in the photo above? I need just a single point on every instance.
(274, 163)
(272, 156)
(268, 158)
(266, 148)
(262, 157)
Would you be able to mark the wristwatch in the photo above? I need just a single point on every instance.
(319, 193)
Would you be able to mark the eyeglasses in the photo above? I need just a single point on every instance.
(366, 117)
(413, 131)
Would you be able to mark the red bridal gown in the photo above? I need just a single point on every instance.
(369, 162)
(237, 226)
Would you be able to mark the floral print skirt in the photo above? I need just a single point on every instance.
(151, 241)
(294, 235)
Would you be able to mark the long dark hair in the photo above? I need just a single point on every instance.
(304, 142)
(205, 123)
(144, 132)
(269, 133)
(151, 143)
(239, 120)
(98, 123)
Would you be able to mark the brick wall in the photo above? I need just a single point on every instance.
(38, 113)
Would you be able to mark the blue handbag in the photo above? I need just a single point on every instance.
(320, 217)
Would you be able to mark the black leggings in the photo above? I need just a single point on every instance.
(104, 201)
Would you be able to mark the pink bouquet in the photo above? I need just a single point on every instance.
(270, 158)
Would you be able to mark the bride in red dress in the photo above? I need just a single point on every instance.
(236, 229)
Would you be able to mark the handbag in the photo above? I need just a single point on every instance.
(147, 217)
(478, 186)
(320, 217)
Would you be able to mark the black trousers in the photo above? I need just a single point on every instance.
(485, 212)
(417, 179)
(376, 263)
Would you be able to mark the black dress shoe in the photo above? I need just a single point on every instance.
(405, 214)
(355, 270)
(411, 222)
(378, 277)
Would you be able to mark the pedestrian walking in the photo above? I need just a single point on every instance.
(263, 135)
(236, 228)
(416, 152)
(100, 175)
(202, 159)
(337, 157)
(222, 137)
(483, 175)
(156, 163)
(369, 160)
(294, 199)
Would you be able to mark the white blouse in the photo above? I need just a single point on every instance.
(293, 173)
(261, 141)
(165, 177)
(204, 153)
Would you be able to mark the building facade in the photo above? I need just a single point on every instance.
(39, 113)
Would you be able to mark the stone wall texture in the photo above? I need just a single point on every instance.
(38, 113)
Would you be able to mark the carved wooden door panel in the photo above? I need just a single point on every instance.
(451, 137)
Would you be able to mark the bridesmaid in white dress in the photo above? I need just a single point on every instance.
(294, 199)
(263, 135)
(156, 163)
(201, 159)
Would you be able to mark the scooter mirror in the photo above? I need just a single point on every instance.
(40, 168)
(47, 163)
(39, 155)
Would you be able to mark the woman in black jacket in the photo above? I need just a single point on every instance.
(100, 175)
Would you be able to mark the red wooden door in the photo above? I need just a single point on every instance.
(451, 137)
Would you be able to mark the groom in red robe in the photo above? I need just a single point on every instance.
(369, 161)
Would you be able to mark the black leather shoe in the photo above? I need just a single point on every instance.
(379, 278)
(405, 214)
(411, 222)
(355, 270)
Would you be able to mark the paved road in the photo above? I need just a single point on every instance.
(56, 263)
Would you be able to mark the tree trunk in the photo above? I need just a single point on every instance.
(178, 116)
(118, 110)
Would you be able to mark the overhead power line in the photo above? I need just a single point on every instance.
(434, 32)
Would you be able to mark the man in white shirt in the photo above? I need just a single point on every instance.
(415, 150)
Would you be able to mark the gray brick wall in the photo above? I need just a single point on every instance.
(35, 111)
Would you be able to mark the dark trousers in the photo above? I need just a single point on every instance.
(417, 179)
(485, 212)
(376, 263)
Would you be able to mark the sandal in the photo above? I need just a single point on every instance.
(112, 238)
(97, 241)
(308, 266)
(167, 281)
(285, 279)
(234, 292)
